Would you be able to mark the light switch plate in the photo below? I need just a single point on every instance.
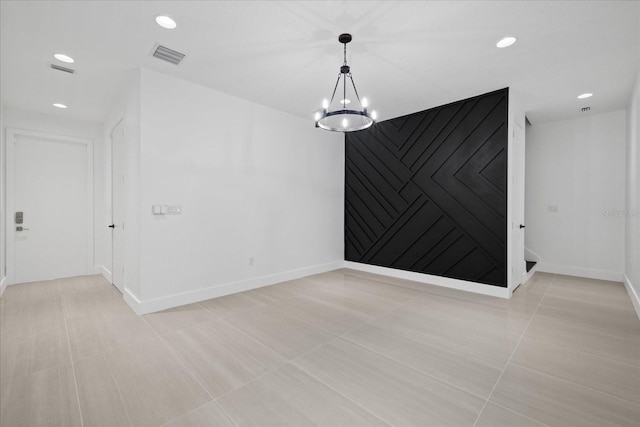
(553, 208)
(174, 210)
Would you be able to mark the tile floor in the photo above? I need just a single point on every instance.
(343, 348)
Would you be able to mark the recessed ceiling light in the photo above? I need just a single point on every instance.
(57, 105)
(64, 58)
(585, 95)
(166, 22)
(506, 42)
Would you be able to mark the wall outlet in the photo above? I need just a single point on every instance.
(553, 208)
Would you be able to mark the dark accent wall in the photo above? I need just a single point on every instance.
(427, 192)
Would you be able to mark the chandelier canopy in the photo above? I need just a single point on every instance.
(347, 112)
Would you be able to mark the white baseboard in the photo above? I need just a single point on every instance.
(633, 294)
(580, 272)
(3, 285)
(157, 304)
(104, 271)
(464, 285)
(530, 273)
(529, 255)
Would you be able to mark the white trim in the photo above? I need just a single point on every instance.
(141, 307)
(580, 272)
(9, 205)
(104, 272)
(529, 255)
(464, 285)
(3, 285)
(635, 298)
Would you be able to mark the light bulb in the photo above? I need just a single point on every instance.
(506, 42)
(165, 22)
(585, 96)
(365, 103)
(345, 123)
(325, 104)
(318, 115)
(345, 101)
(58, 105)
(64, 58)
(374, 115)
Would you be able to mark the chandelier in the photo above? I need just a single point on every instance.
(346, 113)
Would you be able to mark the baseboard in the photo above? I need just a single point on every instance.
(633, 294)
(104, 271)
(464, 285)
(530, 273)
(157, 304)
(580, 272)
(3, 285)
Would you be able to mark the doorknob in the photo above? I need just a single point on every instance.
(112, 226)
(521, 226)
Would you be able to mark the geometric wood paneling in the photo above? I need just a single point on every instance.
(427, 192)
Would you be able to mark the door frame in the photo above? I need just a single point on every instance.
(11, 136)
(121, 286)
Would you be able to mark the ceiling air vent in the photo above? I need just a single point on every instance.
(166, 54)
(61, 68)
(585, 109)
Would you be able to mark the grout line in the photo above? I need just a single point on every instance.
(518, 413)
(513, 352)
(226, 413)
(343, 395)
(179, 360)
(546, 374)
(73, 368)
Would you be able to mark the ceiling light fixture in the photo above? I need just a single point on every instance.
(506, 42)
(166, 22)
(58, 105)
(64, 58)
(336, 117)
(585, 95)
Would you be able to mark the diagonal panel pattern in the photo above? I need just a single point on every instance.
(427, 192)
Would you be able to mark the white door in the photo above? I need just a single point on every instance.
(117, 195)
(518, 262)
(49, 187)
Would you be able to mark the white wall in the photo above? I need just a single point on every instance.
(632, 214)
(579, 166)
(53, 124)
(252, 182)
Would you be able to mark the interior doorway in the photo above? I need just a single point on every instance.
(49, 206)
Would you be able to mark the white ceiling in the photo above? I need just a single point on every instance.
(406, 56)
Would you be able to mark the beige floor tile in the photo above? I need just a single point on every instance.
(220, 356)
(154, 386)
(288, 336)
(448, 328)
(93, 295)
(231, 304)
(289, 397)
(178, 318)
(451, 363)
(591, 291)
(496, 416)
(44, 398)
(409, 284)
(589, 316)
(623, 347)
(31, 309)
(335, 318)
(505, 320)
(610, 376)
(95, 334)
(397, 394)
(25, 351)
(210, 415)
(100, 399)
(385, 291)
(558, 402)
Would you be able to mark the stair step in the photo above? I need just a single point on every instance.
(530, 265)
